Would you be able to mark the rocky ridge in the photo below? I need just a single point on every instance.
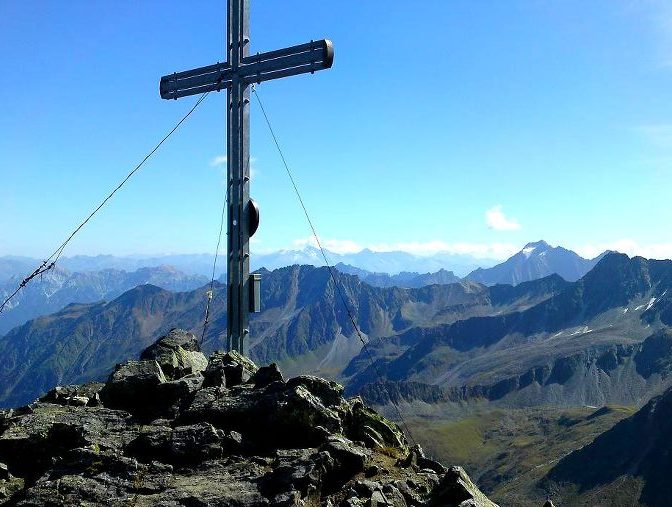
(178, 429)
(612, 373)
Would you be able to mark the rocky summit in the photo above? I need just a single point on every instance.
(175, 428)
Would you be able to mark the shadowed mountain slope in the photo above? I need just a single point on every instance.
(637, 451)
(404, 279)
(304, 325)
(578, 346)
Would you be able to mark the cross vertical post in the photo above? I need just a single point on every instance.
(237, 75)
(238, 178)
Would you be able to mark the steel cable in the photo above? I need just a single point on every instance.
(56, 255)
(331, 269)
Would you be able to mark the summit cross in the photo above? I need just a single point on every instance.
(237, 74)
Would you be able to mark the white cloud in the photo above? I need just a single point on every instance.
(658, 135)
(218, 160)
(497, 251)
(497, 220)
(661, 16)
(627, 246)
(340, 246)
(478, 250)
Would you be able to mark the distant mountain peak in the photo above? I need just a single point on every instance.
(538, 244)
(536, 260)
(536, 247)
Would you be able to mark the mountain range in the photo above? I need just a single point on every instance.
(303, 326)
(405, 279)
(535, 260)
(545, 341)
(594, 342)
(97, 278)
(392, 262)
(60, 287)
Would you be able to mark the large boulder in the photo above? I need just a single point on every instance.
(276, 416)
(330, 393)
(456, 490)
(133, 387)
(371, 428)
(180, 445)
(32, 441)
(174, 395)
(266, 375)
(178, 353)
(349, 459)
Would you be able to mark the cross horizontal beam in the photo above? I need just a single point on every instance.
(300, 59)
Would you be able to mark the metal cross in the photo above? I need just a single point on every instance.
(237, 74)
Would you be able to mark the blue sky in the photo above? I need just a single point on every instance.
(458, 125)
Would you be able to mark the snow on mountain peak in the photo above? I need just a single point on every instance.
(538, 246)
(528, 250)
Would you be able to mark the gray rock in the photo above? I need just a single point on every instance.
(5, 415)
(377, 499)
(371, 471)
(294, 472)
(330, 393)
(178, 353)
(175, 394)
(270, 417)
(133, 386)
(181, 445)
(393, 496)
(366, 488)
(349, 459)
(10, 486)
(232, 442)
(456, 489)
(368, 426)
(228, 370)
(4, 472)
(411, 494)
(74, 394)
(52, 430)
(432, 465)
(94, 401)
(197, 442)
(266, 375)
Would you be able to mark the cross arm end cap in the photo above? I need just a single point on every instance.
(328, 53)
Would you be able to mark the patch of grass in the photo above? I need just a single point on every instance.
(506, 452)
(460, 441)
